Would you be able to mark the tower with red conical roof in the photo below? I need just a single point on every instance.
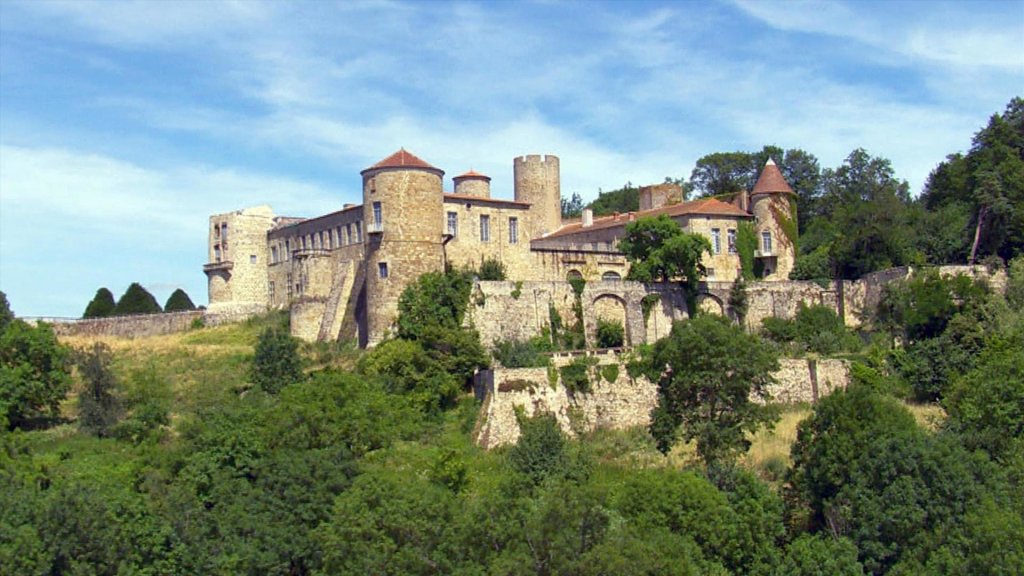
(773, 204)
(402, 212)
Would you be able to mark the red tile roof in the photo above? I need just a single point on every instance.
(448, 196)
(771, 180)
(471, 174)
(702, 207)
(402, 159)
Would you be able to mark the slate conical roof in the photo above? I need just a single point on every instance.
(771, 181)
(403, 159)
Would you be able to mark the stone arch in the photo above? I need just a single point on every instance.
(608, 307)
(710, 303)
(574, 274)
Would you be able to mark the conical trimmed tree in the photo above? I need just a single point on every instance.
(179, 302)
(136, 300)
(102, 305)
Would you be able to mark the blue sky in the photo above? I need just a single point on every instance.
(124, 125)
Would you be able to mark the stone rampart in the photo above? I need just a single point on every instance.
(136, 326)
(623, 402)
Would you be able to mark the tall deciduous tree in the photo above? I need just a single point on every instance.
(277, 363)
(99, 407)
(707, 371)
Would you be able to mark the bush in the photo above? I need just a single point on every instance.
(541, 449)
(817, 328)
(101, 306)
(521, 354)
(406, 368)
(276, 363)
(491, 269)
(576, 374)
(179, 302)
(136, 300)
(610, 333)
(99, 408)
(34, 370)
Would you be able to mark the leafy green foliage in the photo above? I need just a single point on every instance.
(818, 555)
(179, 301)
(99, 407)
(492, 269)
(101, 305)
(738, 303)
(706, 370)
(34, 371)
(623, 200)
(434, 299)
(576, 375)
(522, 353)
(610, 333)
(404, 367)
(276, 363)
(1015, 284)
(573, 207)
(136, 300)
(541, 451)
(816, 328)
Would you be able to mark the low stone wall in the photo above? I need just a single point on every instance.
(130, 326)
(621, 403)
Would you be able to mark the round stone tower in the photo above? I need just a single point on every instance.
(773, 204)
(473, 184)
(402, 216)
(537, 182)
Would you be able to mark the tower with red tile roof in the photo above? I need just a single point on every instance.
(473, 183)
(402, 211)
(773, 204)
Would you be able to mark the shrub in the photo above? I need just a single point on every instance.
(136, 300)
(101, 305)
(818, 328)
(541, 449)
(276, 363)
(34, 370)
(520, 353)
(179, 302)
(491, 269)
(610, 333)
(99, 408)
(576, 374)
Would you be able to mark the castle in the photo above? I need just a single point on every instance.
(341, 274)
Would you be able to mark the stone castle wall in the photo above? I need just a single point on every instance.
(621, 403)
(136, 326)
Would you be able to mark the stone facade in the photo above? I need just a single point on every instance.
(341, 274)
(621, 403)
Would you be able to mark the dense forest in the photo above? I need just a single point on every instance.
(238, 450)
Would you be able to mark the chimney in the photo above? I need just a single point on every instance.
(588, 217)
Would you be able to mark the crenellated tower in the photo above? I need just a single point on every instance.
(402, 212)
(537, 182)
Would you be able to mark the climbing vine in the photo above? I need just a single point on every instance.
(746, 245)
(787, 221)
(647, 304)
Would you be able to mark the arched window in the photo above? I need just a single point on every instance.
(611, 276)
(574, 275)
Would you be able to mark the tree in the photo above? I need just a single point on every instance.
(541, 449)
(179, 302)
(573, 207)
(101, 305)
(99, 408)
(707, 370)
(34, 370)
(434, 299)
(492, 269)
(276, 363)
(136, 300)
(658, 249)
(625, 199)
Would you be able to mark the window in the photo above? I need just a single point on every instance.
(513, 230)
(382, 269)
(270, 290)
(216, 253)
(359, 230)
(252, 258)
(377, 215)
(611, 277)
(485, 228)
(224, 231)
(766, 243)
(348, 234)
(216, 230)
(731, 240)
(716, 240)
(453, 223)
(273, 254)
